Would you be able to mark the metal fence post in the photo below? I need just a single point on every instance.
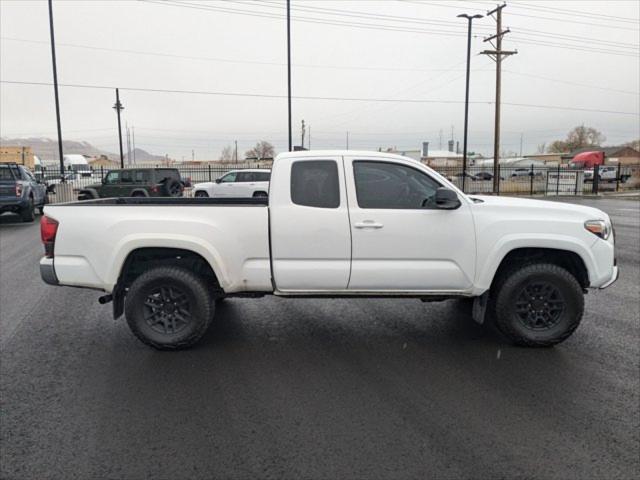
(498, 180)
(101, 173)
(558, 181)
(531, 179)
(618, 177)
(596, 178)
(577, 178)
(209, 167)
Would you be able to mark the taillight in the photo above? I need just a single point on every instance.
(48, 230)
(154, 189)
(18, 190)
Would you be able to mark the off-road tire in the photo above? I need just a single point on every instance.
(507, 290)
(200, 305)
(28, 214)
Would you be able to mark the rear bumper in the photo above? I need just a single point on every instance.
(48, 272)
(14, 204)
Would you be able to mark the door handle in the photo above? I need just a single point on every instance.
(368, 224)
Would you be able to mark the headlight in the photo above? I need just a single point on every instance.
(600, 228)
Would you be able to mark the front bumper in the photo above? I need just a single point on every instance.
(48, 272)
(611, 281)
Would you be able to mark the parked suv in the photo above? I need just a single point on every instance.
(136, 182)
(236, 184)
(20, 192)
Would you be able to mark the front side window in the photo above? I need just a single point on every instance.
(126, 177)
(315, 183)
(112, 177)
(392, 186)
(229, 178)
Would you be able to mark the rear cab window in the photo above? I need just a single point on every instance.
(315, 183)
(9, 172)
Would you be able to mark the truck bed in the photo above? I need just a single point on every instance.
(96, 236)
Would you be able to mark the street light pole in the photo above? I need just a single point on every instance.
(289, 70)
(55, 90)
(466, 97)
(118, 107)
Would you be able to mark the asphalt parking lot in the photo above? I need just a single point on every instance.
(315, 388)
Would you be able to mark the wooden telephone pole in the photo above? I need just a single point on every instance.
(497, 54)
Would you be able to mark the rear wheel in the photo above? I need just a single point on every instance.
(27, 214)
(260, 195)
(538, 305)
(169, 308)
(201, 194)
(138, 194)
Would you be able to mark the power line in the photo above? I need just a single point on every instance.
(334, 22)
(310, 97)
(563, 20)
(551, 79)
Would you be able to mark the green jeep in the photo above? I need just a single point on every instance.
(136, 182)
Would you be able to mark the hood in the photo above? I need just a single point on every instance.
(539, 207)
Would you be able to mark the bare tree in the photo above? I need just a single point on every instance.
(635, 144)
(227, 154)
(263, 149)
(579, 137)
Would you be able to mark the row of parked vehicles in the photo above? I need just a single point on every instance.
(25, 193)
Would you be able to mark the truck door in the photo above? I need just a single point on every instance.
(401, 242)
(309, 223)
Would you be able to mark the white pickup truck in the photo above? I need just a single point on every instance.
(335, 224)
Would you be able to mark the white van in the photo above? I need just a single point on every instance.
(77, 164)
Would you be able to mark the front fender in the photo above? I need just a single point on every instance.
(488, 264)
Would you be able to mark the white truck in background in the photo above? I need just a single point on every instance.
(236, 184)
(335, 224)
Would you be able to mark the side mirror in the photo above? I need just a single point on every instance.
(447, 199)
(218, 180)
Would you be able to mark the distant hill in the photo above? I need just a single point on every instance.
(47, 149)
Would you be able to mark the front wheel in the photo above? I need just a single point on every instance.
(538, 305)
(169, 308)
(201, 194)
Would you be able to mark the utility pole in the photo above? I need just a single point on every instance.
(235, 152)
(118, 107)
(470, 19)
(303, 131)
(133, 140)
(289, 70)
(347, 140)
(193, 155)
(55, 90)
(440, 144)
(521, 135)
(128, 144)
(497, 55)
(309, 141)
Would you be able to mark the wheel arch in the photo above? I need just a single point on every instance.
(568, 259)
(139, 190)
(161, 251)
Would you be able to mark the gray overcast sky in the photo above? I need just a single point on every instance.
(573, 54)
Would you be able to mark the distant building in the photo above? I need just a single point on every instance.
(103, 161)
(17, 154)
